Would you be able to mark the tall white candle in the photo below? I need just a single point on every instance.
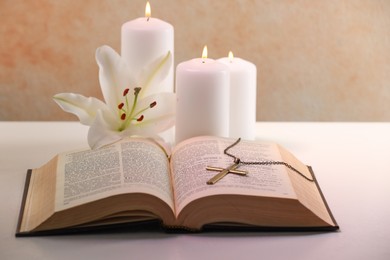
(145, 39)
(202, 90)
(242, 97)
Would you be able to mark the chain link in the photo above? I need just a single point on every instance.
(238, 161)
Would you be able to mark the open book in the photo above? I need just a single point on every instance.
(139, 181)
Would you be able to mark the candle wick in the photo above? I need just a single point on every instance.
(148, 19)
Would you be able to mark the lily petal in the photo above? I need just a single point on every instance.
(103, 130)
(114, 76)
(152, 128)
(159, 118)
(122, 114)
(84, 108)
(152, 75)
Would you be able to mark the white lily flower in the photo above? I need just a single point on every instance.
(129, 108)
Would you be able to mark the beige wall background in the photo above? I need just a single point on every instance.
(317, 60)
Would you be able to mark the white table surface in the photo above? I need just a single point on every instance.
(351, 162)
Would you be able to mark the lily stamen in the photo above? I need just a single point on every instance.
(140, 118)
(136, 92)
(127, 116)
(151, 105)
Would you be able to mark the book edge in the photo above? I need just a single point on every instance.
(142, 225)
(156, 226)
(336, 226)
(23, 203)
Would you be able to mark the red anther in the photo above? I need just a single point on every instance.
(153, 104)
(123, 116)
(140, 118)
(120, 106)
(125, 92)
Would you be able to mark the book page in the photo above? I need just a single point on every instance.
(307, 192)
(136, 165)
(190, 159)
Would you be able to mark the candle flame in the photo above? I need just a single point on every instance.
(148, 12)
(204, 53)
(230, 56)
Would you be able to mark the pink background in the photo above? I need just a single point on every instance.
(318, 60)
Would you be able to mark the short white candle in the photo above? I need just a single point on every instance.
(202, 89)
(242, 97)
(145, 39)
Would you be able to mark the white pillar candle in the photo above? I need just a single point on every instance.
(242, 97)
(145, 39)
(202, 90)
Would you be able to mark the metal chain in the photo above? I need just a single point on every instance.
(238, 161)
